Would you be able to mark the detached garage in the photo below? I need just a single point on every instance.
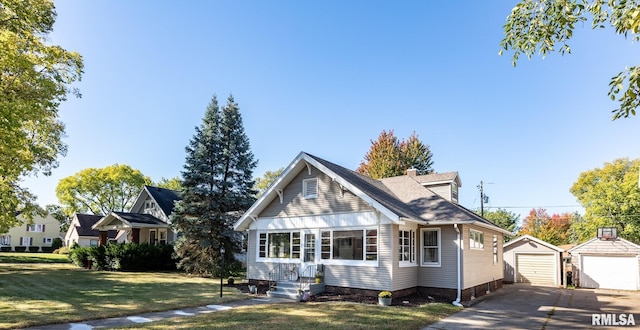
(607, 262)
(531, 260)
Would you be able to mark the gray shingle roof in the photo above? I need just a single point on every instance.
(407, 198)
(139, 218)
(164, 197)
(87, 221)
(436, 177)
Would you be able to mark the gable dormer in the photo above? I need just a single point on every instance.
(444, 184)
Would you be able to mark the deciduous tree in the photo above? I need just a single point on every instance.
(554, 229)
(545, 26)
(263, 183)
(34, 79)
(172, 184)
(217, 188)
(100, 190)
(611, 197)
(503, 219)
(389, 156)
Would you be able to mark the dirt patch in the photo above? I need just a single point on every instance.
(412, 300)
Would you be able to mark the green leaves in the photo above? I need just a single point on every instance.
(537, 26)
(34, 79)
(390, 157)
(100, 190)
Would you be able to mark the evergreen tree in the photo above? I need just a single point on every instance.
(216, 188)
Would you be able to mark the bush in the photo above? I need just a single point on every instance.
(47, 249)
(34, 248)
(5, 248)
(62, 250)
(20, 248)
(80, 256)
(384, 294)
(56, 244)
(231, 281)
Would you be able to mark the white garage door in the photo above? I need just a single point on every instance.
(536, 269)
(607, 272)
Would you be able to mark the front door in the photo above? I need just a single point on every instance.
(308, 267)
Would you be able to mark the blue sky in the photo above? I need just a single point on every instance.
(326, 77)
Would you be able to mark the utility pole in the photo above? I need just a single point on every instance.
(481, 200)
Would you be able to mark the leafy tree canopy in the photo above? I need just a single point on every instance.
(217, 188)
(554, 229)
(268, 178)
(100, 190)
(503, 219)
(34, 80)
(611, 197)
(390, 157)
(57, 213)
(172, 184)
(545, 26)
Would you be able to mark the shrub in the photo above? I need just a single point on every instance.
(47, 249)
(231, 281)
(34, 248)
(80, 256)
(57, 243)
(384, 294)
(62, 250)
(20, 248)
(5, 249)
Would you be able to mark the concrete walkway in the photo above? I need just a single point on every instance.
(157, 316)
(520, 306)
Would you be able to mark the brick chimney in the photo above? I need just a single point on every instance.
(412, 172)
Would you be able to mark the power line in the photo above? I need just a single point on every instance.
(532, 207)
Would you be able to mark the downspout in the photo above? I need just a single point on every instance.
(459, 291)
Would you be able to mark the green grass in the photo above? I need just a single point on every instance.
(35, 294)
(29, 257)
(311, 316)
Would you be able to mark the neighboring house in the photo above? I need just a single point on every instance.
(80, 231)
(37, 236)
(530, 260)
(606, 262)
(146, 222)
(367, 235)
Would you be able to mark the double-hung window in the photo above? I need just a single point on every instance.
(431, 247)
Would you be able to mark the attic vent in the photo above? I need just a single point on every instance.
(607, 233)
(310, 188)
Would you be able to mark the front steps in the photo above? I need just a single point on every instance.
(289, 289)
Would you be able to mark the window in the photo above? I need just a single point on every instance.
(310, 188)
(495, 249)
(358, 245)
(262, 245)
(406, 246)
(431, 247)
(5, 240)
(454, 192)
(26, 241)
(93, 242)
(325, 244)
(47, 240)
(162, 236)
(38, 228)
(476, 239)
(279, 245)
(295, 245)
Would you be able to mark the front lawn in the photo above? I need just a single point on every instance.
(334, 315)
(30, 257)
(35, 294)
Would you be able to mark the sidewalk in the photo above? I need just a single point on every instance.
(158, 316)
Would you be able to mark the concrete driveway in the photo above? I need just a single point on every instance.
(520, 306)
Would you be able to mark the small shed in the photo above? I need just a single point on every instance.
(606, 262)
(530, 260)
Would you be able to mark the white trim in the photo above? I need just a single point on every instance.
(306, 184)
(412, 247)
(475, 241)
(430, 264)
(529, 237)
(330, 221)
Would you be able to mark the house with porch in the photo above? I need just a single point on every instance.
(401, 234)
(81, 233)
(146, 222)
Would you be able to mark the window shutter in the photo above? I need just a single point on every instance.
(43, 228)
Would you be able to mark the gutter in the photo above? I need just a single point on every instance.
(459, 291)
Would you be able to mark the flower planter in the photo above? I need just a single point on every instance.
(384, 301)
